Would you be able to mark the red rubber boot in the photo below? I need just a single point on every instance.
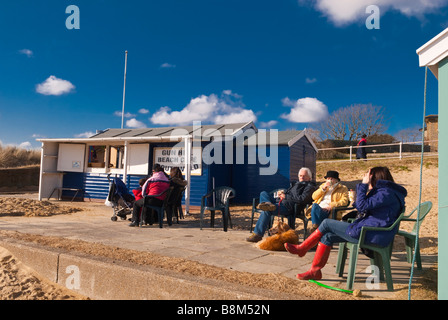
(319, 261)
(306, 245)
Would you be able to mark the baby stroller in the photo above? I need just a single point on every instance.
(119, 199)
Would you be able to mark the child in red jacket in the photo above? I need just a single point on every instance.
(138, 192)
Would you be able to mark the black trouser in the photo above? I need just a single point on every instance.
(139, 204)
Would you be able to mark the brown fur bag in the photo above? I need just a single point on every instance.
(281, 233)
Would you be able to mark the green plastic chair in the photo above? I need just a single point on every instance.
(299, 213)
(409, 237)
(221, 197)
(381, 258)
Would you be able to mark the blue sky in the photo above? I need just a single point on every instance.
(209, 60)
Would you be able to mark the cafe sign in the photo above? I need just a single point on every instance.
(169, 157)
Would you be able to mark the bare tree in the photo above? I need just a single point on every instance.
(349, 123)
(409, 135)
(313, 134)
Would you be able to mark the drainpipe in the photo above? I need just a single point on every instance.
(125, 163)
(41, 171)
(187, 172)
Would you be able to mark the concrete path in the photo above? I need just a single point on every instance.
(211, 246)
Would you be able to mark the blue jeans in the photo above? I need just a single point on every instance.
(318, 214)
(334, 232)
(265, 216)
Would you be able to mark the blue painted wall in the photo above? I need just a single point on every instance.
(198, 185)
(248, 182)
(244, 178)
(96, 185)
(302, 154)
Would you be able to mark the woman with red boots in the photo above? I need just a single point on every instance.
(379, 203)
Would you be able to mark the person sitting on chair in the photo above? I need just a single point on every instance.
(329, 195)
(178, 182)
(138, 192)
(176, 177)
(300, 193)
(156, 184)
(379, 199)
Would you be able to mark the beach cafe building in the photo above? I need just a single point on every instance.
(434, 56)
(237, 155)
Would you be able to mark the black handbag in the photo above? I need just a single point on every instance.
(359, 216)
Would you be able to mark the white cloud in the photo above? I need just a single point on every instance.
(134, 123)
(268, 124)
(167, 65)
(343, 12)
(212, 109)
(86, 134)
(199, 109)
(236, 117)
(25, 145)
(143, 111)
(126, 114)
(310, 80)
(54, 87)
(26, 52)
(230, 93)
(305, 110)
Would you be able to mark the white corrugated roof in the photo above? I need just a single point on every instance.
(434, 51)
(162, 134)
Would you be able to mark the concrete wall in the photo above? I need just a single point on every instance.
(19, 177)
(106, 279)
(432, 131)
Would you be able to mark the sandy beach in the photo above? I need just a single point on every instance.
(19, 282)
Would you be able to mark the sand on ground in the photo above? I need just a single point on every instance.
(19, 282)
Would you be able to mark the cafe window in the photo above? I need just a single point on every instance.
(97, 156)
(116, 157)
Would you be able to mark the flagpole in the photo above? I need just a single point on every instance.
(124, 87)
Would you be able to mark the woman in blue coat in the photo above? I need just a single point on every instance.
(379, 200)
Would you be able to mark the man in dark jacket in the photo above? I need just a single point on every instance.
(301, 193)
